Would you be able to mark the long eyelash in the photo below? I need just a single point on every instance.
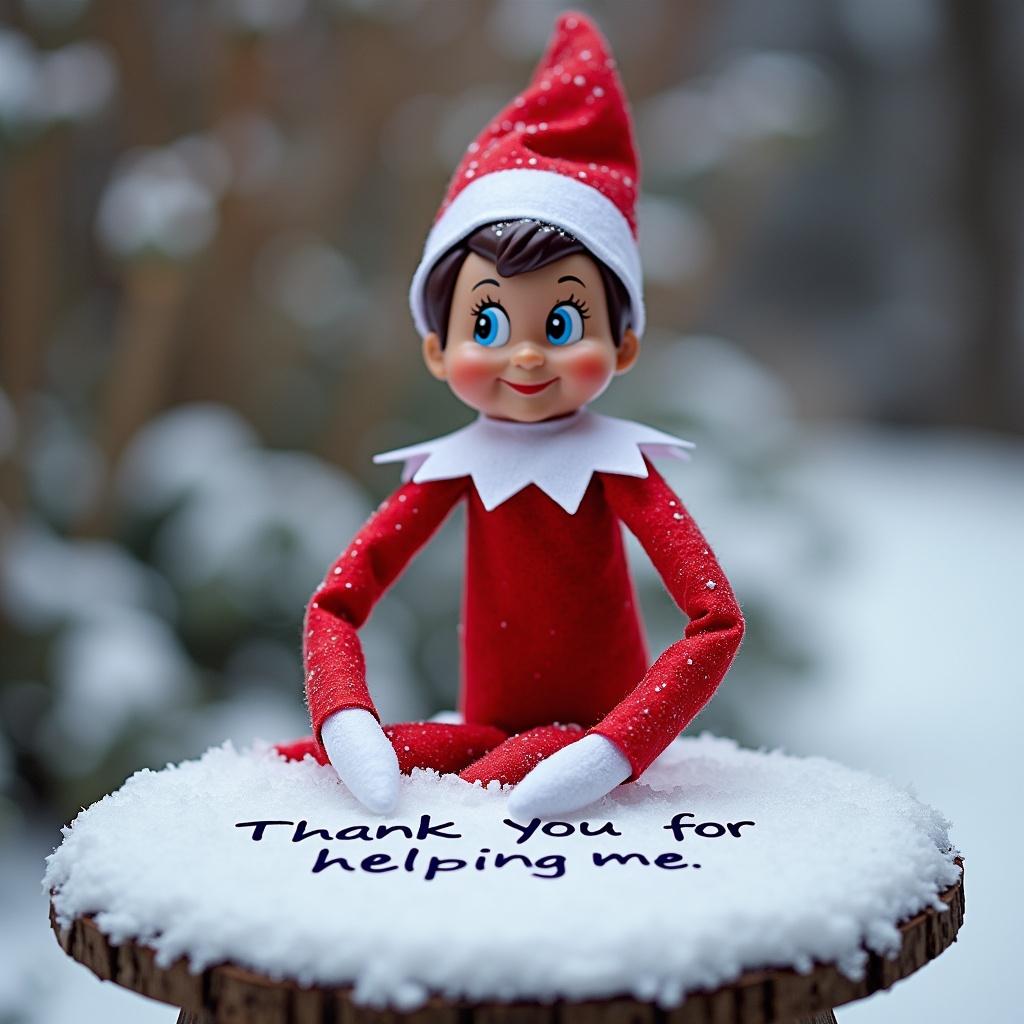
(582, 308)
(484, 303)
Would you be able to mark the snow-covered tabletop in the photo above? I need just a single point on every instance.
(718, 861)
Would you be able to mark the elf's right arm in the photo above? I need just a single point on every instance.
(345, 721)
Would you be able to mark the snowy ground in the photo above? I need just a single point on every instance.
(923, 685)
(38, 983)
(920, 687)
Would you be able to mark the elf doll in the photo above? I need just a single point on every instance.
(528, 300)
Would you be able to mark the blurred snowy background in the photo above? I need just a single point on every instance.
(210, 213)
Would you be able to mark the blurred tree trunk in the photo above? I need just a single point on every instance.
(28, 269)
(987, 215)
(136, 385)
(222, 362)
(128, 30)
(354, 119)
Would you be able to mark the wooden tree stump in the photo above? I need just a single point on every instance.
(228, 994)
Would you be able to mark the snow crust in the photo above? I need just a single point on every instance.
(830, 861)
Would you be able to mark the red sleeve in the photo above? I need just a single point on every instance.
(332, 654)
(685, 677)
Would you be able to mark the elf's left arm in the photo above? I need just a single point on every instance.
(677, 686)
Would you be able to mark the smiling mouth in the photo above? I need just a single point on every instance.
(528, 389)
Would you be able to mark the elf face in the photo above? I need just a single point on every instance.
(530, 347)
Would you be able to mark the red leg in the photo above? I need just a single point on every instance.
(510, 761)
(445, 747)
(298, 749)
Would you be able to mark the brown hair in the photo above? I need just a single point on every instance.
(516, 247)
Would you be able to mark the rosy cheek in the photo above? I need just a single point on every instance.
(586, 366)
(470, 367)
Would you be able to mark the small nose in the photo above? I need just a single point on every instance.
(527, 356)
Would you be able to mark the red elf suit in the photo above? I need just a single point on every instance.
(552, 646)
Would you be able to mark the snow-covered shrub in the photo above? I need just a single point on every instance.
(41, 88)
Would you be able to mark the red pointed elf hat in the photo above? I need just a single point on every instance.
(561, 152)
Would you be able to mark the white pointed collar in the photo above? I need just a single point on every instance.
(559, 456)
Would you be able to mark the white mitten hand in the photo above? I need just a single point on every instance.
(573, 777)
(363, 758)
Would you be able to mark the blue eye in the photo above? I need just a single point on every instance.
(565, 324)
(492, 327)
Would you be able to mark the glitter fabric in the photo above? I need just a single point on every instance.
(551, 634)
(572, 119)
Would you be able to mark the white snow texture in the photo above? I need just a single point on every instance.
(833, 861)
